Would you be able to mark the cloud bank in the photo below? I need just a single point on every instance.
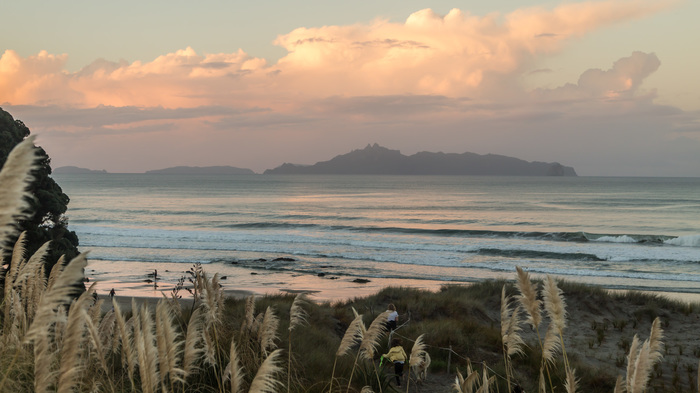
(449, 82)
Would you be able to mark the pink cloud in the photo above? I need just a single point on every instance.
(621, 82)
(433, 54)
(35, 79)
(458, 54)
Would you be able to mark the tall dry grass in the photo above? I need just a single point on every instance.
(57, 340)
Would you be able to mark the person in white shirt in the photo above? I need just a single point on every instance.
(393, 318)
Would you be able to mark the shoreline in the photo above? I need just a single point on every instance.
(318, 288)
(240, 281)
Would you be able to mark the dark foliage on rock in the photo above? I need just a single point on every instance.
(47, 220)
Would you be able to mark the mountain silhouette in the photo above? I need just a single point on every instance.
(378, 160)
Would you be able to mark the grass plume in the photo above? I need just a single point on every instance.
(265, 381)
(15, 177)
(374, 333)
(234, 370)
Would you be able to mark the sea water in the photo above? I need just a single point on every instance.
(622, 233)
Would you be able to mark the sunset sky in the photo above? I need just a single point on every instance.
(608, 87)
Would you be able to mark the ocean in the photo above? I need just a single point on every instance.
(312, 231)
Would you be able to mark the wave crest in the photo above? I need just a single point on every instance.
(685, 241)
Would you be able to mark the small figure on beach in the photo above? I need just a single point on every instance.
(111, 294)
(393, 318)
(397, 356)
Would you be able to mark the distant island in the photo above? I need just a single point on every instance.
(75, 169)
(378, 160)
(207, 170)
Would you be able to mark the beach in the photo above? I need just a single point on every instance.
(246, 283)
(252, 282)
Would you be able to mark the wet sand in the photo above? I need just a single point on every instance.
(141, 285)
(245, 282)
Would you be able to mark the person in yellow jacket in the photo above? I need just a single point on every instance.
(397, 356)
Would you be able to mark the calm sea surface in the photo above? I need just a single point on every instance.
(624, 233)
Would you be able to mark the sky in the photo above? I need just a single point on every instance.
(610, 88)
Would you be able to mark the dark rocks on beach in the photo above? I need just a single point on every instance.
(223, 277)
(260, 260)
(234, 262)
(361, 280)
(253, 273)
(321, 274)
(283, 259)
(333, 278)
(148, 280)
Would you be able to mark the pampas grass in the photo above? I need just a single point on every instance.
(168, 343)
(297, 316)
(486, 382)
(551, 345)
(620, 385)
(44, 357)
(510, 332)
(466, 385)
(99, 354)
(18, 255)
(571, 383)
(106, 331)
(642, 357)
(234, 370)
(98, 370)
(31, 267)
(631, 362)
(373, 335)
(250, 313)
(70, 366)
(59, 293)
(146, 352)
(416, 358)
(370, 341)
(528, 299)
(353, 336)
(541, 385)
(128, 354)
(15, 177)
(192, 339)
(264, 381)
(267, 333)
(56, 271)
(555, 307)
(554, 304)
